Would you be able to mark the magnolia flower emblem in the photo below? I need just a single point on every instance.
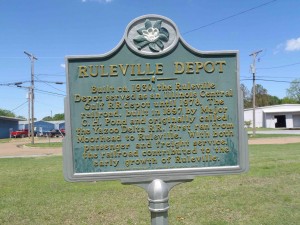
(152, 36)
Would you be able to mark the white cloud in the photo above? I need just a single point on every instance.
(293, 44)
(63, 65)
(278, 49)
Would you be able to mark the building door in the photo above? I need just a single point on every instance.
(296, 121)
(281, 122)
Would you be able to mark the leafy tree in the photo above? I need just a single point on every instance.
(261, 96)
(274, 100)
(287, 100)
(246, 97)
(21, 117)
(248, 123)
(293, 92)
(59, 116)
(4, 112)
(47, 118)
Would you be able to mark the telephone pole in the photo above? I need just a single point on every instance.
(253, 70)
(32, 58)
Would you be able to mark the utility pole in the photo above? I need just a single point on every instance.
(32, 58)
(29, 100)
(253, 70)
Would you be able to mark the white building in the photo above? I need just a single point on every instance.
(275, 116)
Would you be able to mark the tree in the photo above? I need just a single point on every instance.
(7, 113)
(246, 97)
(274, 100)
(287, 100)
(261, 96)
(47, 118)
(293, 92)
(21, 117)
(59, 116)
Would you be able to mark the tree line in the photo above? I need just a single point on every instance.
(262, 98)
(8, 113)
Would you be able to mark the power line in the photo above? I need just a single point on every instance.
(49, 92)
(19, 106)
(229, 17)
(38, 90)
(20, 57)
(47, 83)
(54, 75)
(276, 67)
(38, 80)
(278, 77)
(278, 81)
(281, 81)
(13, 83)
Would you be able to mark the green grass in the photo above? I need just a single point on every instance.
(33, 191)
(261, 129)
(46, 145)
(4, 140)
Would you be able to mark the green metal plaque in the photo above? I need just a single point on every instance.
(153, 107)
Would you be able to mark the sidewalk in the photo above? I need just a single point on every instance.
(279, 131)
(274, 141)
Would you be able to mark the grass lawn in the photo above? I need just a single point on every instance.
(46, 145)
(261, 129)
(4, 140)
(33, 191)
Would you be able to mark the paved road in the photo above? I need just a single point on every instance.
(276, 132)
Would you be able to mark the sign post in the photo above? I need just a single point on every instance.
(153, 112)
(158, 196)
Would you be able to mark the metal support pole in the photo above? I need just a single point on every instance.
(32, 102)
(32, 58)
(29, 100)
(253, 70)
(158, 196)
(253, 104)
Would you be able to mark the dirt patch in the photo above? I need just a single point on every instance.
(273, 141)
(17, 148)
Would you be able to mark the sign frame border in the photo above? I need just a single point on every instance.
(164, 174)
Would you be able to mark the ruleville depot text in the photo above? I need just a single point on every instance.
(149, 69)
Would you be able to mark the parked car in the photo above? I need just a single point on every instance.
(57, 133)
(43, 134)
(19, 133)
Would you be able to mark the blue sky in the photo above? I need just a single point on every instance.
(53, 29)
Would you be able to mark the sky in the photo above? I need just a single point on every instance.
(54, 29)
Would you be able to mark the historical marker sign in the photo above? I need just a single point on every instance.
(153, 107)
